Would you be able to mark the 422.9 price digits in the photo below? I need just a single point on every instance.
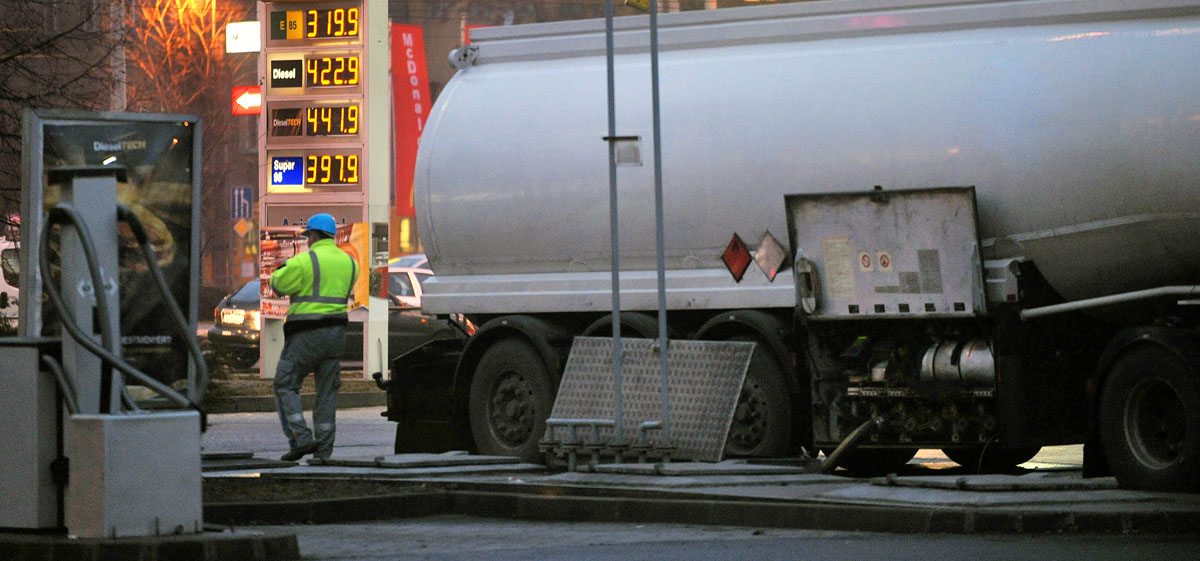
(331, 71)
(331, 169)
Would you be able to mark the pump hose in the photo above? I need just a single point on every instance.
(864, 430)
(64, 213)
(139, 232)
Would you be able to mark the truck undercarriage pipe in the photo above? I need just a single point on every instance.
(1187, 290)
(851, 442)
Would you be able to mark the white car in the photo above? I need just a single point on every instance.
(404, 285)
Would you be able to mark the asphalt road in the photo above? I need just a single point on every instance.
(462, 538)
(360, 432)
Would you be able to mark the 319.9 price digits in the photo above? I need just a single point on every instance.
(338, 22)
(331, 169)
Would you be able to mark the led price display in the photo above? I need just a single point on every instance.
(331, 71)
(328, 23)
(339, 22)
(331, 169)
(331, 121)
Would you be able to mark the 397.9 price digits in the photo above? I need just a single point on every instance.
(331, 169)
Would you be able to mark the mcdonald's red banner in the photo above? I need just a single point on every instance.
(411, 103)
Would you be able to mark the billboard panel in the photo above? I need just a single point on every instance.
(161, 154)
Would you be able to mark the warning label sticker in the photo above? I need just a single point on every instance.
(839, 267)
(884, 259)
(866, 263)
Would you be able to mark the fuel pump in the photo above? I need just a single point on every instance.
(79, 453)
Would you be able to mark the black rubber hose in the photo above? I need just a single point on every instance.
(64, 384)
(864, 430)
(139, 232)
(65, 214)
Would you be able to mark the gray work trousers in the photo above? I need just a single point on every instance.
(319, 351)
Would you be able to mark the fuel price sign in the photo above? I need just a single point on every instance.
(315, 121)
(343, 21)
(318, 169)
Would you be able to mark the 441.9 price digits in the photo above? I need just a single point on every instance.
(327, 121)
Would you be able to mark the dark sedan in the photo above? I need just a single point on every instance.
(234, 336)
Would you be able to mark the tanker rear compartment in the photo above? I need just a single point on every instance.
(1076, 126)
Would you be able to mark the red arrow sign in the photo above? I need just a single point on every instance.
(247, 100)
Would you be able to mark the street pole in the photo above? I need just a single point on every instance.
(614, 233)
(658, 223)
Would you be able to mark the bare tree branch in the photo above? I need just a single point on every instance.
(53, 54)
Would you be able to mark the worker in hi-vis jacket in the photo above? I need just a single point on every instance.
(319, 282)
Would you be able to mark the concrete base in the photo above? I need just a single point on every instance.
(134, 475)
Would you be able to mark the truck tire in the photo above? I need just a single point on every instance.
(1150, 421)
(511, 397)
(991, 458)
(762, 421)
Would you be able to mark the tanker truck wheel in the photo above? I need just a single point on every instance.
(1150, 421)
(991, 458)
(510, 399)
(762, 421)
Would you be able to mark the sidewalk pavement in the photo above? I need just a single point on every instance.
(931, 495)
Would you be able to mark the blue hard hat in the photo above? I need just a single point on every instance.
(321, 222)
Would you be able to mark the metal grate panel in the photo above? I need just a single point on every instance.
(705, 378)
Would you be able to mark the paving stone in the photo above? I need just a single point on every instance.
(1027, 482)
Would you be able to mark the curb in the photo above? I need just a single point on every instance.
(535, 504)
(266, 403)
(330, 511)
(199, 547)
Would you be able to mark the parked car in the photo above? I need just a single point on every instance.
(234, 336)
(10, 262)
(404, 285)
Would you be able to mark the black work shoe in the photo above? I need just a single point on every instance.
(300, 452)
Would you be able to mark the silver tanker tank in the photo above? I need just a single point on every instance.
(1078, 124)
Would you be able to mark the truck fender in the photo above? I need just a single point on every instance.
(642, 324)
(547, 338)
(1179, 342)
(769, 328)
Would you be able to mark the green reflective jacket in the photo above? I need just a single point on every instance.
(318, 281)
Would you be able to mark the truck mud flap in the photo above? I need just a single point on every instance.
(420, 399)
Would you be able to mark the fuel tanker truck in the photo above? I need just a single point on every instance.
(971, 226)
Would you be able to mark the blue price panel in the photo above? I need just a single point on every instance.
(287, 171)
